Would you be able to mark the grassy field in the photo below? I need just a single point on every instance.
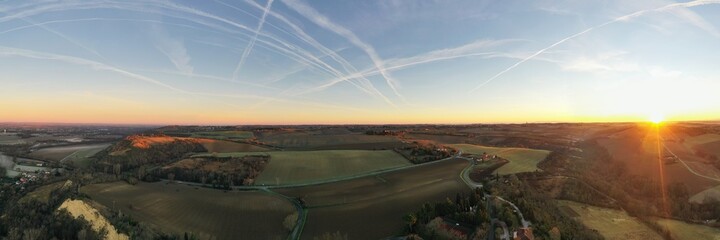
(220, 146)
(610, 223)
(521, 159)
(298, 167)
(303, 140)
(686, 231)
(224, 135)
(373, 207)
(208, 213)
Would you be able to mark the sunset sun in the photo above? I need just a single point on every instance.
(656, 118)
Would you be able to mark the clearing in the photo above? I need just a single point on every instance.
(521, 159)
(207, 213)
(42, 193)
(303, 167)
(610, 223)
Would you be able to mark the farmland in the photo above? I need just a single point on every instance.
(638, 151)
(224, 135)
(76, 152)
(610, 223)
(686, 231)
(176, 209)
(701, 139)
(300, 167)
(521, 159)
(220, 146)
(372, 207)
(297, 140)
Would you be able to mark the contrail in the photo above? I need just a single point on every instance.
(169, 6)
(8, 51)
(467, 50)
(622, 18)
(317, 18)
(367, 87)
(250, 45)
(63, 36)
(175, 9)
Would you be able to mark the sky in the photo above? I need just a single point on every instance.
(358, 62)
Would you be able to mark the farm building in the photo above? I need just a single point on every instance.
(523, 234)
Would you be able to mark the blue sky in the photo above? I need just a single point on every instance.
(400, 61)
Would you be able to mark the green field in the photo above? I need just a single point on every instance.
(300, 167)
(521, 159)
(207, 213)
(610, 223)
(224, 135)
(686, 231)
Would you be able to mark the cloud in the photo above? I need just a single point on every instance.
(660, 72)
(619, 19)
(174, 49)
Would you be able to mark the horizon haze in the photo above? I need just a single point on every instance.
(356, 62)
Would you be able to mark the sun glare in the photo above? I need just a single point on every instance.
(656, 118)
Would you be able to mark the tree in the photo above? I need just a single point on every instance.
(332, 236)
(555, 234)
(117, 169)
(141, 172)
(411, 220)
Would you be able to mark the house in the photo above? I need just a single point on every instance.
(523, 234)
